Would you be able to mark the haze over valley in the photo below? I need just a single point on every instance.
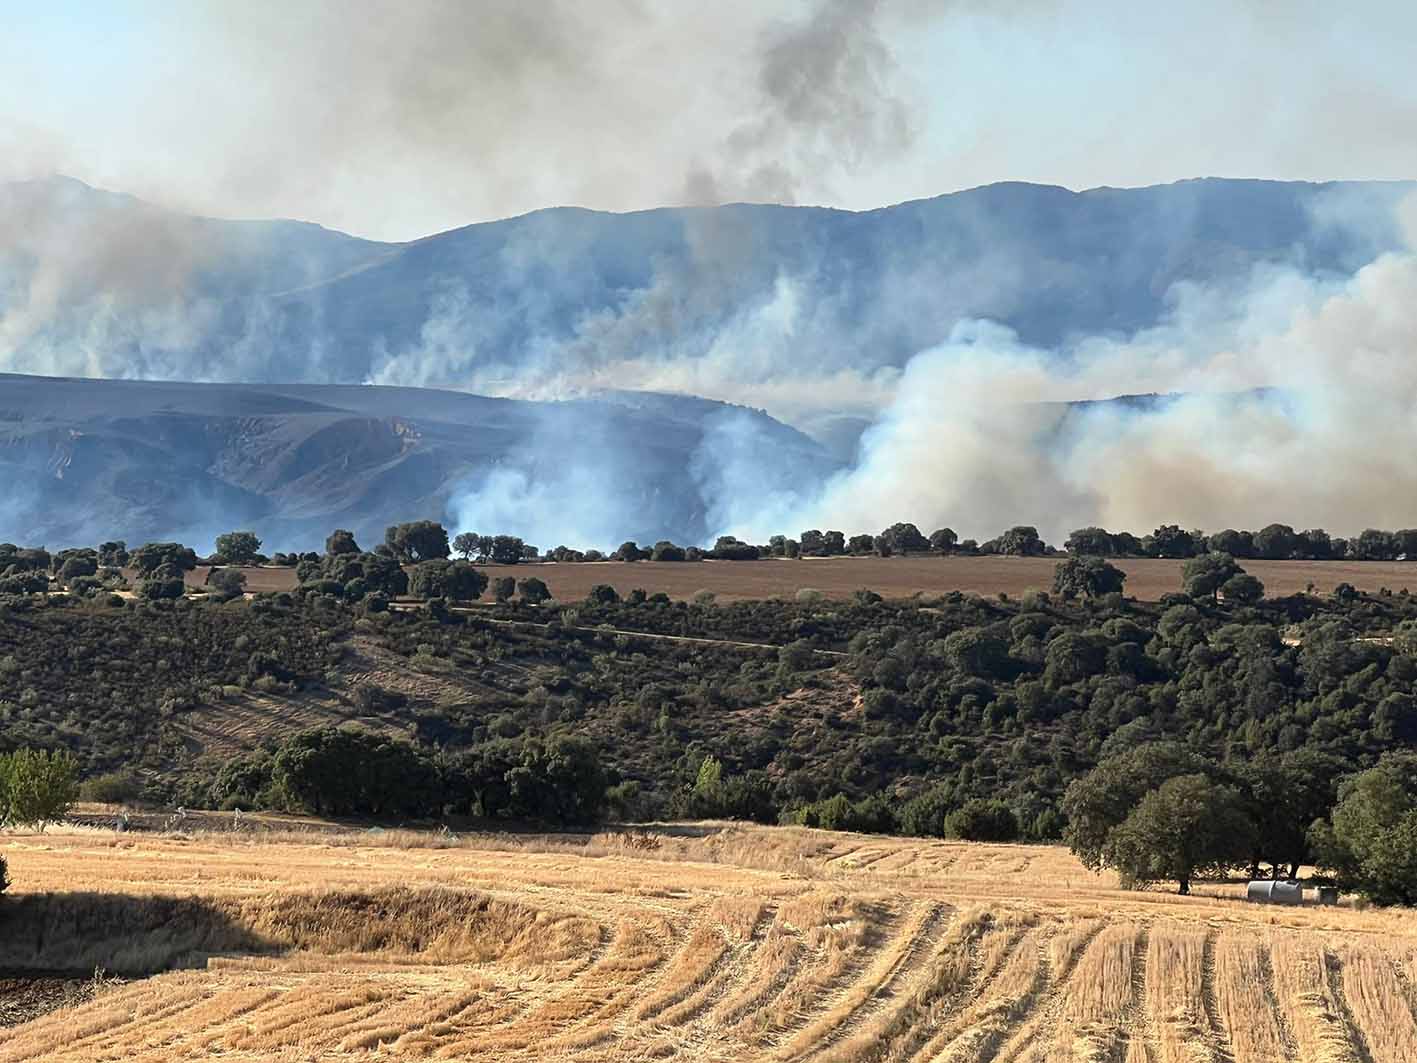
(956, 333)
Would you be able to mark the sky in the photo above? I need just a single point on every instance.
(395, 120)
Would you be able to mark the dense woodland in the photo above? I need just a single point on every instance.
(949, 715)
(956, 714)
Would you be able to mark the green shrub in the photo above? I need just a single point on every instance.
(982, 820)
(37, 787)
(111, 788)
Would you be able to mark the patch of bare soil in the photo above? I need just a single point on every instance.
(28, 996)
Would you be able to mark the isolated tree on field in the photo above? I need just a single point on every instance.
(1021, 541)
(1317, 543)
(533, 590)
(904, 538)
(505, 550)
(238, 547)
(1232, 542)
(1373, 545)
(1088, 576)
(503, 587)
(465, 544)
(1188, 826)
(664, 550)
(1094, 542)
(227, 582)
(341, 541)
(1170, 540)
(419, 540)
(943, 540)
(629, 550)
(37, 787)
(860, 544)
(1276, 542)
(731, 548)
(1203, 576)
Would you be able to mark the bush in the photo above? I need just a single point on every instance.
(227, 582)
(111, 788)
(157, 589)
(1369, 843)
(533, 590)
(982, 820)
(4, 875)
(458, 581)
(37, 786)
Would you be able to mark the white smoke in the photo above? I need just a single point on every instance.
(979, 435)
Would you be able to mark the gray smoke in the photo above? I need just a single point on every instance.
(829, 101)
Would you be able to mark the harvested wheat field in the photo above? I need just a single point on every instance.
(713, 943)
(892, 577)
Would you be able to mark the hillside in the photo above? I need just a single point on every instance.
(908, 708)
(90, 460)
(104, 285)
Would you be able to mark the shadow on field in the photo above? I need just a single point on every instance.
(81, 932)
(67, 933)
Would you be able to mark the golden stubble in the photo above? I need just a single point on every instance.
(719, 942)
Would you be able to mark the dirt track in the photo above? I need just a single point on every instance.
(894, 577)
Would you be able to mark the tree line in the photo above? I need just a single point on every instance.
(161, 566)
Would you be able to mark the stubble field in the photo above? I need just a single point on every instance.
(893, 577)
(697, 944)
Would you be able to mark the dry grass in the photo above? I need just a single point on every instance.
(707, 943)
(894, 577)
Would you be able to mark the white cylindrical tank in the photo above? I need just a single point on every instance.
(1267, 891)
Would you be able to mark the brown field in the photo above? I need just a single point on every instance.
(893, 577)
(711, 943)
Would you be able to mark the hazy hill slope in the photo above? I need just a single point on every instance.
(99, 284)
(86, 460)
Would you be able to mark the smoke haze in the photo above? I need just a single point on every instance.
(936, 350)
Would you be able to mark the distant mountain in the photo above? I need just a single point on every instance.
(87, 460)
(93, 283)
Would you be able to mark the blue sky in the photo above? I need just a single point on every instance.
(398, 119)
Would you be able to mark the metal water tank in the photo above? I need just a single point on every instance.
(1269, 891)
